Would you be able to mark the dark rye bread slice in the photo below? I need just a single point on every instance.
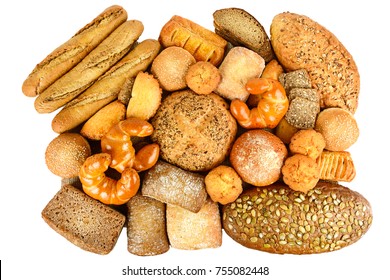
(240, 28)
(85, 222)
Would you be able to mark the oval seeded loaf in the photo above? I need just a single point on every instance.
(301, 43)
(276, 219)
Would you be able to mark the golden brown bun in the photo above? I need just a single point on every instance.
(258, 156)
(202, 43)
(195, 132)
(299, 42)
(203, 77)
(66, 56)
(100, 123)
(223, 184)
(300, 173)
(170, 68)
(307, 142)
(327, 218)
(95, 64)
(240, 28)
(107, 88)
(66, 153)
(338, 127)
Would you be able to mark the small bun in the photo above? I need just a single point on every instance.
(170, 68)
(307, 142)
(339, 128)
(66, 153)
(258, 156)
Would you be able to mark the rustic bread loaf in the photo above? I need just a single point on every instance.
(301, 43)
(277, 219)
(146, 226)
(84, 221)
(195, 132)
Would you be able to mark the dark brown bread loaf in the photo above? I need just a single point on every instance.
(277, 219)
(84, 221)
(240, 28)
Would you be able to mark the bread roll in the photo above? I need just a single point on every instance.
(84, 221)
(301, 43)
(276, 219)
(257, 156)
(339, 128)
(195, 132)
(66, 153)
(336, 166)
(95, 64)
(66, 56)
(107, 88)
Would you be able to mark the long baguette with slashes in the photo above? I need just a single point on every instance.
(67, 55)
(95, 64)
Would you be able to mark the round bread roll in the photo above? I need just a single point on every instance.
(339, 128)
(195, 132)
(258, 156)
(170, 68)
(66, 153)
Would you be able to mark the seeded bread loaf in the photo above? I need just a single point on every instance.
(277, 219)
(66, 56)
(84, 221)
(301, 43)
(240, 28)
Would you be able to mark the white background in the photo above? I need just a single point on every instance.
(29, 249)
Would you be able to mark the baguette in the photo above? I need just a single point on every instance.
(66, 56)
(84, 74)
(107, 88)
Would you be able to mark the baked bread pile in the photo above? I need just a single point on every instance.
(182, 137)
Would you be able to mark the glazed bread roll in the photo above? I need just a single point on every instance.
(280, 220)
(301, 43)
(107, 88)
(66, 56)
(85, 73)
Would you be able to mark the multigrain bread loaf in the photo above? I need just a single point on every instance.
(240, 28)
(195, 132)
(66, 56)
(301, 43)
(107, 87)
(84, 221)
(279, 220)
(87, 71)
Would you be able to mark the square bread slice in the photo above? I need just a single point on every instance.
(84, 221)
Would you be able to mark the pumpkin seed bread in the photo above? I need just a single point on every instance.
(276, 219)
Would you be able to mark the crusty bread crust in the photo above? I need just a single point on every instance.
(70, 53)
